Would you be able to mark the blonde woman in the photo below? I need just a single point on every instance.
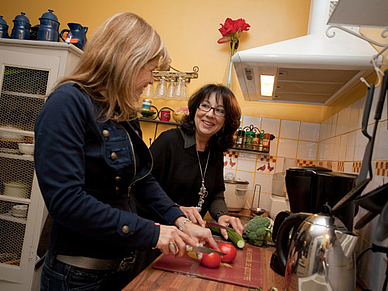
(91, 161)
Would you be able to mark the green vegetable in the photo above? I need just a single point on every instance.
(259, 230)
(232, 235)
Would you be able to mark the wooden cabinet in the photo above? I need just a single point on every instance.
(28, 71)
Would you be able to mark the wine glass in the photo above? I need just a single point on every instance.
(179, 91)
(148, 91)
(171, 88)
(161, 88)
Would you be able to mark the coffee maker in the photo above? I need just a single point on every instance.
(308, 189)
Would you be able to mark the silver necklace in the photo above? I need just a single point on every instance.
(202, 191)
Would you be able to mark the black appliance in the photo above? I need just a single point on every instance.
(308, 189)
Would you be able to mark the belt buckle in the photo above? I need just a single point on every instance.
(126, 263)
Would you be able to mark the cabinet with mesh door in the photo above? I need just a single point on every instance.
(28, 71)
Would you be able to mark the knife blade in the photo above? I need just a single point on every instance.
(209, 224)
(189, 248)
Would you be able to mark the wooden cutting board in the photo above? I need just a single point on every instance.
(245, 270)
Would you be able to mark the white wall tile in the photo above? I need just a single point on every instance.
(265, 181)
(343, 147)
(349, 155)
(307, 150)
(325, 130)
(287, 148)
(333, 122)
(273, 146)
(381, 143)
(309, 131)
(271, 125)
(337, 144)
(289, 129)
(343, 121)
(251, 120)
(323, 153)
(360, 144)
(356, 114)
(246, 162)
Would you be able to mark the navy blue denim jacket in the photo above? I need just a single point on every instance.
(87, 171)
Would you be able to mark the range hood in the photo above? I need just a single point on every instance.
(313, 69)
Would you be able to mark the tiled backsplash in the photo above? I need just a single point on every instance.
(336, 143)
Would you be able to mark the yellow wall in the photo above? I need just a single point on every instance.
(190, 31)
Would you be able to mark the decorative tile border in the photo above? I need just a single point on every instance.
(381, 168)
(356, 167)
(341, 167)
(232, 154)
(306, 163)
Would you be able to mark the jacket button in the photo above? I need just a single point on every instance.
(125, 229)
(113, 156)
(118, 178)
(117, 189)
(105, 133)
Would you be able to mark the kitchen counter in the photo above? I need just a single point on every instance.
(153, 279)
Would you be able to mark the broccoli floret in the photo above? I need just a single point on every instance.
(258, 230)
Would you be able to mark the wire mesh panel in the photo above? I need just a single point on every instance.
(22, 96)
(13, 225)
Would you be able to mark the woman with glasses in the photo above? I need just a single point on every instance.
(188, 161)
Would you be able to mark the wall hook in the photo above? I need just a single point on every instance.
(365, 82)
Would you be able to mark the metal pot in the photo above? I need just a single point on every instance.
(235, 191)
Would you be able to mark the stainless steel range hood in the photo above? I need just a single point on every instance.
(312, 69)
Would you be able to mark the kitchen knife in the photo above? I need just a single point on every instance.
(189, 248)
(213, 224)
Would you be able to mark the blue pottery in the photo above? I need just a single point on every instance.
(78, 33)
(48, 28)
(3, 28)
(21, 27)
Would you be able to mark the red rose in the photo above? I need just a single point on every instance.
(232, 29)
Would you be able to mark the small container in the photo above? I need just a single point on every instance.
(266, 142)
(261, 137)
(248, 139)
(146, 104)
(240, 138)
(3, 28)
(21, 28)
(255, 141)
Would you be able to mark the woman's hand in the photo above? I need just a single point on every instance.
(173, 241)
(193, 214)
(198, 233)
(232, 221)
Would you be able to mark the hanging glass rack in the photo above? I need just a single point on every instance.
(175, 74)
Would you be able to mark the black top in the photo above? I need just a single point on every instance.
(176, 168)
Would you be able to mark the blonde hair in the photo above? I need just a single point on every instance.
(111, 62)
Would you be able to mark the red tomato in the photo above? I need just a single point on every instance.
(211, 260)
(230, 252)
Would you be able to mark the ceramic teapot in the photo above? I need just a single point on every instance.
(319, 255)
(21, 28)
(48, 28)
(3, 28)
(75, 35)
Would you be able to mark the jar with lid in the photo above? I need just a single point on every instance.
(255, 141)
(146, 104)
(261, 137)
(266, 142)
(240, 138)
(248, 139)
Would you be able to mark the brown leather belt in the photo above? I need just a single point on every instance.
(97, 264)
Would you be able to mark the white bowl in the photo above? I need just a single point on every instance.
(26, 148)
(19, 210)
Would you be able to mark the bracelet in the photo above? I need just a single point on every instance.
(180, 227)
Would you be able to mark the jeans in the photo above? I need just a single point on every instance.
(58, 276)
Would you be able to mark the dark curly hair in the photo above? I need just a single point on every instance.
(223, 139)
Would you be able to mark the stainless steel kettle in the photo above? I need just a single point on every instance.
(319, 255)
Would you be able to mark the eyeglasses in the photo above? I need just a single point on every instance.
(217, 111)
